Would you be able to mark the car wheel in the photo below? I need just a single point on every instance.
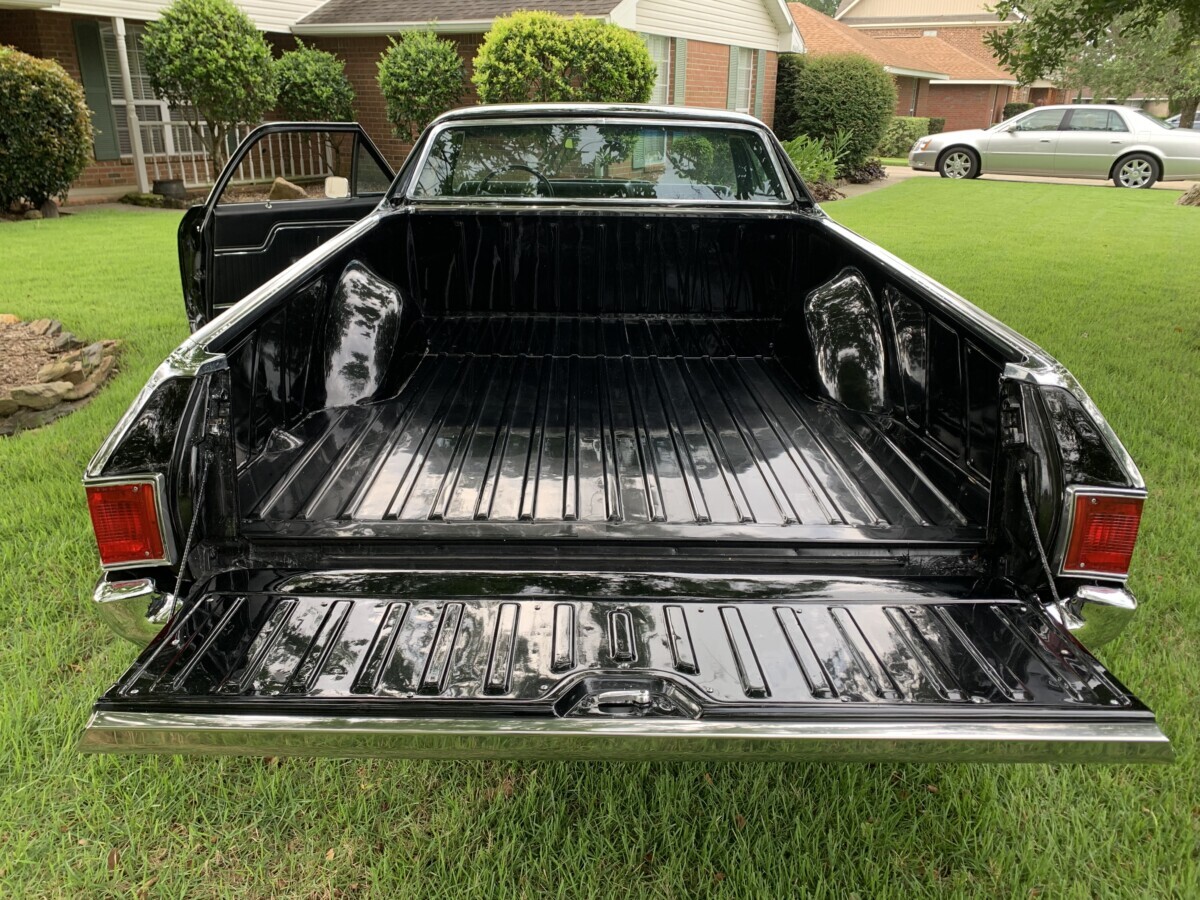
(1137, 170)
(959, 162)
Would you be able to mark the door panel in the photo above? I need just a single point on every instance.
(429, 671)
(1026, 146)
(253, 226)
(1089, 143)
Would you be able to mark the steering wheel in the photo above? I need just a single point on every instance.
(544, 185)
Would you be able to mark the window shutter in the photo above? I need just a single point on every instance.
(95, 89)
(731, 92)
(638, 157)
(680, 74)
(760, 81)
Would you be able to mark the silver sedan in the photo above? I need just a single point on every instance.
(1078, 141)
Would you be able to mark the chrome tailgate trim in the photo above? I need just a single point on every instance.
(515, 738)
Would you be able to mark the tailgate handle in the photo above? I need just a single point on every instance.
(626, 700)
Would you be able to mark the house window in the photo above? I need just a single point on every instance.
(660, 52)
(654, 145)
(743, 96)
(164, 130)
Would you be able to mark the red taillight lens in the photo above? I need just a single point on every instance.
(125, 519)
(1103, 534)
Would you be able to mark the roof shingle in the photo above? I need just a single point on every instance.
(958, 64)
(824, 35)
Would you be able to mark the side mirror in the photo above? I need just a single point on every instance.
(337, 187)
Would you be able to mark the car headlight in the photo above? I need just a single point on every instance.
(922, 144)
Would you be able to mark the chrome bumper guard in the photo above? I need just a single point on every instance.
(1095, 615)
(134, 608)
(291, 735)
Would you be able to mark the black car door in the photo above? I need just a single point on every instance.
(288, 187)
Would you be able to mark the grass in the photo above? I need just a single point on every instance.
(894, 161)
(1104, 279)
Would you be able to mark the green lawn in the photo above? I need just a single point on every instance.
(894, 160)
(1107, 280)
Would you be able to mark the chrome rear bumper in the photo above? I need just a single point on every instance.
(133, 608)
(628, 739)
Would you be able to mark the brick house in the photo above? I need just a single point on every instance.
(949, 34)
(710, 53)
(823, 35)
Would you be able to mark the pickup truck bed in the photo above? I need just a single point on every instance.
(626, 426)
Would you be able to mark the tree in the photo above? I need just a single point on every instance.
(532, 57)
(313, 87)
(45, 129)
(420, 76)
(206, 58)
(829, 7)
(1129, 54)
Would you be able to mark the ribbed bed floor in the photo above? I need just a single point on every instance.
(618, 423)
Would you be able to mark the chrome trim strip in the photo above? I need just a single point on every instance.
(1095, 614)
(1059, 555)
(280, 227)
(166, 533)
(1129, 740)
(591, 118)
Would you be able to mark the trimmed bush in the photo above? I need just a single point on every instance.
(937, 124)
(787, 86)
(843, 92)
(420, 76)
(45, 129)
(532, 57)
(313, 86)
(206, 58)
(902, 132)
(1015, 109)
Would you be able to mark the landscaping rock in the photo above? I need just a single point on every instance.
(282, 189)
(9, 319)
(41, 396)
(81, 390)
(91, 355)
(8, 406)
(67, 341)
(112, 347)
(103, 370)
(54, 329)
(32, 214)
(40, 326)
(49, 210)
(1191, 197)
(57, 371)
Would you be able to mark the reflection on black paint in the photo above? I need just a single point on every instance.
(847, 338)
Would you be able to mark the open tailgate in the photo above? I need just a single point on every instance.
(426, 672)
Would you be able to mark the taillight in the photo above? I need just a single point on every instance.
(125, 519)
(1103, 531)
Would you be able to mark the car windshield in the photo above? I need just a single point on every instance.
(623, 161)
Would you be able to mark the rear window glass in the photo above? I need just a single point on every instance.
(589, 161)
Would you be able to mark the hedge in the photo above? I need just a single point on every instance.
(902, 132)
(45, 129)
(1015, 109)
(420, 76)
(828, 94)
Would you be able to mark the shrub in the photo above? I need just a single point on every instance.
(206, 58)
(813, 160)
(937, 124)
(45, 130)
(420, 77)
(843, 92)
(313, 87)
(787, 86)
(544, 57)
(871, 170)
(902, 132)
(1015, 109)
